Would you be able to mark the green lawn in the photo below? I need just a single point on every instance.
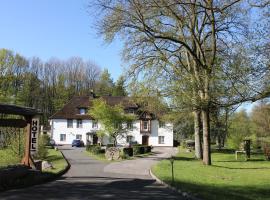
(225, 179)
(8, 157)
(57, 160)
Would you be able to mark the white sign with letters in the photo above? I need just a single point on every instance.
(34, 135)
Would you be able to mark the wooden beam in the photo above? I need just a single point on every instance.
(17, 123)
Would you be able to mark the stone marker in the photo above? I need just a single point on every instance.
(112, 153)
(46, 165)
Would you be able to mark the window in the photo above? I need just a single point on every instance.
(78, 137)
(70, 123)
(94, 124)
(161, 124)
(129, 138)
(82, 111)
(79, 123)
(130, 126)
(161, 139)
(131, 111)
(145, 125)
(62, 137)
(117, 126)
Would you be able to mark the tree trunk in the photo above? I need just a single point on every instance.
(198, 144)
(206, 137)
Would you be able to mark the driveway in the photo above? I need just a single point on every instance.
(92, 179)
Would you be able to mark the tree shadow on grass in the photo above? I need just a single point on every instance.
(225, 167)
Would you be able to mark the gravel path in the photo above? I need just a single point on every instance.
(92, 179)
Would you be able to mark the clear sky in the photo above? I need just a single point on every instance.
(55, 28)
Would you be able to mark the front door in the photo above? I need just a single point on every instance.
(145, 139)
(95, 139)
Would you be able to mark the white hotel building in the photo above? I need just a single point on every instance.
(73, 122)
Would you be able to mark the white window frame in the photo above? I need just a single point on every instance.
(69, 125)
(94, 124)
(161, 124)
(78, 136)
(79, 123)
(161, 139)
(63, 139)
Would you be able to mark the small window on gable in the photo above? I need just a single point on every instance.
(82, 111)
(145, 125)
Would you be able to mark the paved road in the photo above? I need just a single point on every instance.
(88, 179)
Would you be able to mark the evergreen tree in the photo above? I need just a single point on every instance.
(119, 88)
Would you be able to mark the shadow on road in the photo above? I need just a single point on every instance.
(95, 188)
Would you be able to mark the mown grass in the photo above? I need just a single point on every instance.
(225, 179)
(58, 161)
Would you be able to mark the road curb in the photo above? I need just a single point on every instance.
(184, 194)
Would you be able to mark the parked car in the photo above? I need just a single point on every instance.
(77, 143)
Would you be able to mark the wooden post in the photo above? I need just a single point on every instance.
(26, 157)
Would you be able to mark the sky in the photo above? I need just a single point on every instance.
(56, 28)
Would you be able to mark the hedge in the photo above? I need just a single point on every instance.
(128, 151)
(95, 149)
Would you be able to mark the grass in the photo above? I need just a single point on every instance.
(57, 160)
(8, 157)
(225, 179)
(100, 156)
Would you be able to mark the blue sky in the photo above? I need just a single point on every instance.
(56, 28)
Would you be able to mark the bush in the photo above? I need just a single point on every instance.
(266, 151)
(138, 150)
(95, 149)
(42, 150)
(128, 151)
(147, 149)
(109, 145)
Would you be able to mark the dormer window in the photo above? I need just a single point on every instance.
(82, 111)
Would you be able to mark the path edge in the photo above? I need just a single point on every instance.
(184, 194)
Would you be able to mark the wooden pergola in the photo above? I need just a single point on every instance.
(28, 115)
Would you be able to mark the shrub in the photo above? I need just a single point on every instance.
(147, 149)
(109, 145)
(128, 151)
(42, 150)
(266, 150)
(95, 149)
(138, 150)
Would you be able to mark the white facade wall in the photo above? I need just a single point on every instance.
(59, 126)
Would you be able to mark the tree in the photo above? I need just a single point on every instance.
(119, 88)
(105, 85)
(260, 116)
(240, 129)
(177, 44)
(113, 119)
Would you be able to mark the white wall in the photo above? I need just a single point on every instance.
(59, 126)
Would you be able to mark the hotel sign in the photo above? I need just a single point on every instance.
(34, 135)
